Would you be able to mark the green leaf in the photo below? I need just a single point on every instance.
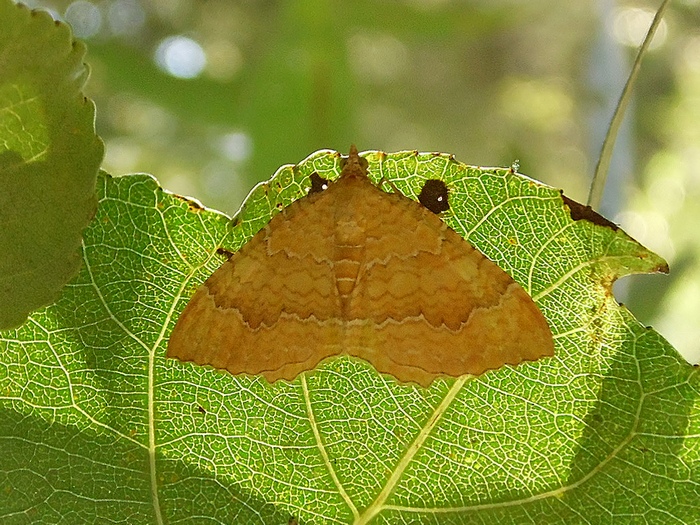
(97, 426)
(49, 158)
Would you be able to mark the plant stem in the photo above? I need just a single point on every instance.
(601, 171)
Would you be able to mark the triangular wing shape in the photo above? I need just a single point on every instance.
(272, 308)
(358, 271)
(427, 303)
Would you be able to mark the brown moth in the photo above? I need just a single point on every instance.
(353, 270)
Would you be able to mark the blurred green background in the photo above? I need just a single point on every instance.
(212, 96)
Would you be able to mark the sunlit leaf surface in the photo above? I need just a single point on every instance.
(97, 426)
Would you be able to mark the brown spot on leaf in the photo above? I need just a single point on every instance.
(581, 212)
(318, 183)
(224, 252)
(434, 196)
(192, 204)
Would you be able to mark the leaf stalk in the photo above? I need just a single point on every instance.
(595, 194)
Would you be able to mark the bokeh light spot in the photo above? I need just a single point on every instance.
(181, 57)
(236, 146)
(85, 18)
(125, 17)
(378, 57)
(631, 25)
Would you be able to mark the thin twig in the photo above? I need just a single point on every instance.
(601, 171)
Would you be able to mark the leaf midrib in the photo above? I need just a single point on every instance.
(379, 502)
(150, 387)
